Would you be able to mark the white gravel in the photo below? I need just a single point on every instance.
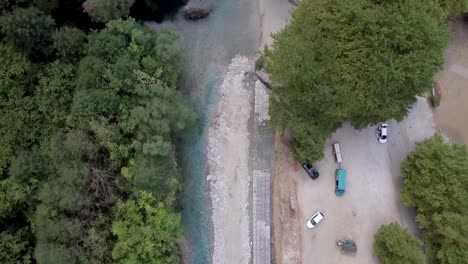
(228, 156)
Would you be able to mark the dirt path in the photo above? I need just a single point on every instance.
(274, 15)
(285, 219)
(451, 115)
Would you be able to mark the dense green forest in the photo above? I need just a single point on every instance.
(90, 114)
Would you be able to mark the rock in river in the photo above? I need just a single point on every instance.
(197, 9)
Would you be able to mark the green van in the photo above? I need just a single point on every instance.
(340, 182)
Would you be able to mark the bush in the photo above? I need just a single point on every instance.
(393, 244)
(436, 183)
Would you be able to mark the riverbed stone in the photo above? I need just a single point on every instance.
(197, 9)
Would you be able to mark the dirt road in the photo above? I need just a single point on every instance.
(372, 189)
(452, 113)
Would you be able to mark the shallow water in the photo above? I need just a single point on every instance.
(209, 45)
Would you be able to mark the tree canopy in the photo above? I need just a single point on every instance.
(29, 31)
(436, 183)
(87, 142)
(357, 61)
(147, 232)
(106, 10)
(393, 244)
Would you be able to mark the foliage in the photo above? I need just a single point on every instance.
(360, 61)
(14, 247)
(436, 183)
(13, 64)
(87, 120)
(72, 202)
(106, 10)
(13, 196)
(29, 31)
(452, 8)
(159, 177)
(29, 166)
(69, 43)
(159, 112)
(393, 244)
(15, 108)
(147, 232)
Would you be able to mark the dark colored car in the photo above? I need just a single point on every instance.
(311, 170)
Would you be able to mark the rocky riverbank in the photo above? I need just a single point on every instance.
(228, 165)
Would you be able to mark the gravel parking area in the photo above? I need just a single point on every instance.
(372, 191)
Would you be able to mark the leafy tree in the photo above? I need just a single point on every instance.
(70, 217)
(393, 244)
(15, 247)
(17, 114)
(29, 166)
(69, 43)
(146, 231)
(13, 65)
(159, 112)
(106, 10)
(14, 196)
(125, 46)
(436, 183)
(90, 73)
(351, 61)
(29, 31)
(159, 177)
(54, 94)
(93, 103)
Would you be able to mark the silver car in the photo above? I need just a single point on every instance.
(315, 219)
(382, 133)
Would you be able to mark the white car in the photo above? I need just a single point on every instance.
(382, 133)
(315, 219)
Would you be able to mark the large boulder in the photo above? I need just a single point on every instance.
(197, 9)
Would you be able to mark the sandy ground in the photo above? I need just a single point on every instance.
(372, 191)
(287, 242)
(451, 115)
(228, 158)
(274, 15)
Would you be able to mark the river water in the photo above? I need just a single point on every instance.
(209, 45)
